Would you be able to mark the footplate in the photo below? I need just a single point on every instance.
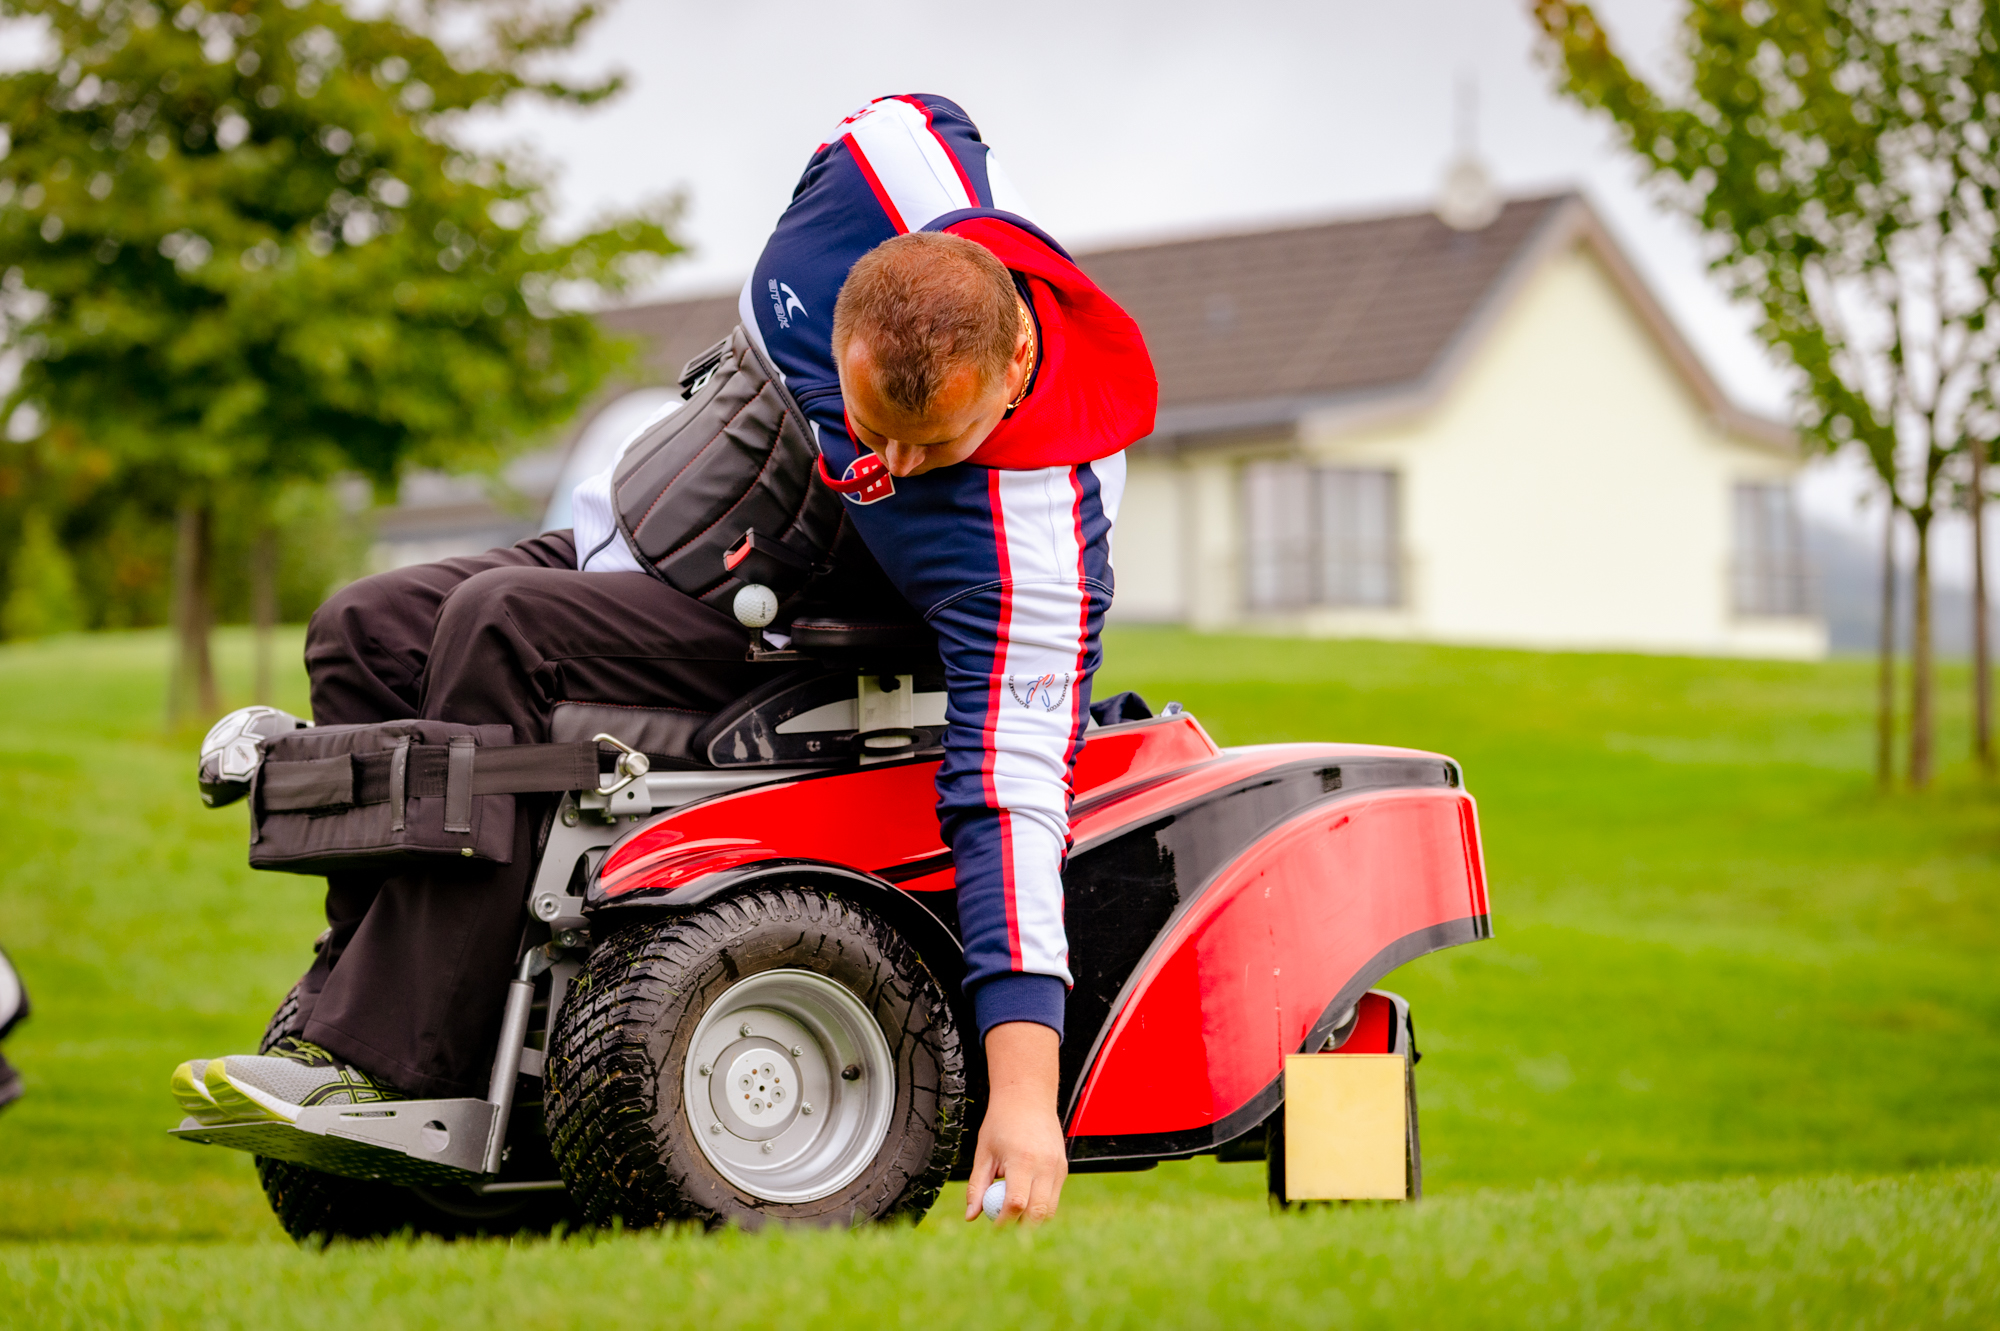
(402, 1141)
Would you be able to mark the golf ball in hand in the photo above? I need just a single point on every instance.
(996, 1197)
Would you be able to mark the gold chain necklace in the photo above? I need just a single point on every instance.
(1035, 347)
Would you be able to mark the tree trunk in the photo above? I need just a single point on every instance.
(1920, 658)
(191, 691)
(263, 608)
(1885, 677)
(1982, 666)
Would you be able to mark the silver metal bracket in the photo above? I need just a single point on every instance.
(632, 765)
(397, 1141)
(885, 716)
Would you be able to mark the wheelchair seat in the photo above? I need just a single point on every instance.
(868, 690)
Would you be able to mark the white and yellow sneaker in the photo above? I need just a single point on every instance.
(272, 1087)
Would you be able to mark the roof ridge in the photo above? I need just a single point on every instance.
(1246, 229)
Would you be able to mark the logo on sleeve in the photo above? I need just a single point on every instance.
(1048, 691)
(783, 301)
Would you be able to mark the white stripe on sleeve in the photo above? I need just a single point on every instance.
(1041, 661)
(913, 167)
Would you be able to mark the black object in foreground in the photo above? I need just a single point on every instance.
(13, 1008)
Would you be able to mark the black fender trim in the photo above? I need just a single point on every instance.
(1251, 1115)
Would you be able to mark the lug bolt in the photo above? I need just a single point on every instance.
(766, 1148)
(702, 1070)
(715, 1127)
(852, 1072)
(744, 1030)
(798, 1051)
(806, 1109)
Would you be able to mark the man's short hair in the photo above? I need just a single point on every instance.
(928, 303)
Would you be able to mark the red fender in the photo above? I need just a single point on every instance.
(1269, 957)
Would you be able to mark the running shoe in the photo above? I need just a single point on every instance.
(273, 1087)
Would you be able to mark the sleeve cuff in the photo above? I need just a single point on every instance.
(1020, 997)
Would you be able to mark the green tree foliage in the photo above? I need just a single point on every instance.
(1844, 156)
(243, 247)
(42, 596)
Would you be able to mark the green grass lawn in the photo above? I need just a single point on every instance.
(1733, 1055)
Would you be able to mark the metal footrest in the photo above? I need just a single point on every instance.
(401, 1141)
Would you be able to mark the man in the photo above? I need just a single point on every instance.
(971, 393)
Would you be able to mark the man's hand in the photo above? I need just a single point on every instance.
(1022, 1139)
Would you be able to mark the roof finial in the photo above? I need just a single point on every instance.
(1468, 201)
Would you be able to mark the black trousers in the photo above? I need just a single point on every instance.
(410, 982)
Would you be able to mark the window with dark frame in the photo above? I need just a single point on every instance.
(1769, 573)
(1320, 536)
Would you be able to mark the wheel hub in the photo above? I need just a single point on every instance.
(768, 1089)
(757, 1093)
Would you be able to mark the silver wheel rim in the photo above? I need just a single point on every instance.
(789, 1086)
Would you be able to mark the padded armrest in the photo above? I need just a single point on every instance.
(903, 647)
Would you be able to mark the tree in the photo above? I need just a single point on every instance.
(244, 246)
(1841, 155)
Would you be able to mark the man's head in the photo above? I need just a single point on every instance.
(931, 346)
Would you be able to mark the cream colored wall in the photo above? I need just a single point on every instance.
(1148, 554)
(1568, 491)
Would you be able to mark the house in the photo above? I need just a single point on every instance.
(1487, 432)
(1393, 427)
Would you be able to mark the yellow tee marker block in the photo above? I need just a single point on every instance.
(1346, 1127)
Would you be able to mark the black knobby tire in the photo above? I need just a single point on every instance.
(317, 1208)
(619, 1126)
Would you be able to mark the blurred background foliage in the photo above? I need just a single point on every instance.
(248, 265)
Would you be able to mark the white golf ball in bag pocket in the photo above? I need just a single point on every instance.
(995, 1198)
(756, 605)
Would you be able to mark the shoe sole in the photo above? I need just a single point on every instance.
(238, 1102)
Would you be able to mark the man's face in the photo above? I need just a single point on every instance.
(960, 417)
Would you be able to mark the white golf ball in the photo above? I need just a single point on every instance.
(756, 605)
(995, 1198)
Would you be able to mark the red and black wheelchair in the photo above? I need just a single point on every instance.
(738, 1002)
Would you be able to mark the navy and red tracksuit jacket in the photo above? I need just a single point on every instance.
(1007, 555)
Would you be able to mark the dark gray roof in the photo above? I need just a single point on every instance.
(1310, 311)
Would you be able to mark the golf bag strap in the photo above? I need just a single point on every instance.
(457, 772)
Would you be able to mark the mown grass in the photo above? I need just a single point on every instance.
(1814, 1254)
(1719, 954)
